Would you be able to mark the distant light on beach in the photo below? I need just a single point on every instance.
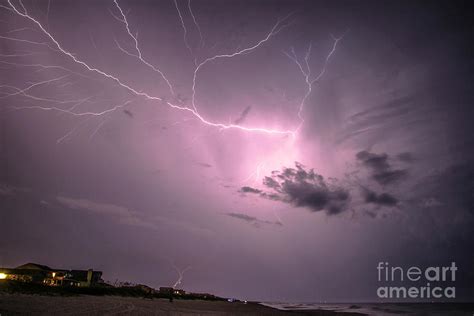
(3, 276)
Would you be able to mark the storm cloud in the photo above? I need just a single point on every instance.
(382, 199)
(243, 115)
(120, 188)
(303, 188)
(381, 170)
(253, 220)
(250, 190)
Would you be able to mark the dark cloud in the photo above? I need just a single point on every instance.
(379, 118)
(241, 216)
(371, 214)
(127, 112)
(390, 176)
(204, 164)
(243, 115)
(252, 220)
(249, 190)
(382, 199)
(303, 188)
(377, 162)
(380, 168)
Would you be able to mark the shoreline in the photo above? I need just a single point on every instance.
(28, 304)
(53, 304)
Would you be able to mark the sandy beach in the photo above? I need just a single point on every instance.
(20, 304)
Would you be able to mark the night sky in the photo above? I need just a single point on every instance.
(276, 150)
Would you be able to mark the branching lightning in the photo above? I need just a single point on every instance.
(56, 46)
(306, 72)
(23, 91)
(139, 53)
(44, 108)
(276, 28)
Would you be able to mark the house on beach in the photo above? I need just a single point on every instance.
(37, 273)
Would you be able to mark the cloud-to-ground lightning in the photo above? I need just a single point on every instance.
(57, 47)
(180, 275)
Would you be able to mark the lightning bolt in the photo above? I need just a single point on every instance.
(201, 39)
(15, 39)
(68, 134)
(23, 91)
(256, 174)
(276, 28)
(36, 98)
(185, 31)
(99, 126)
(306, 72)
(180, 275)
(44, 108)
(57, 47)
(139, 53)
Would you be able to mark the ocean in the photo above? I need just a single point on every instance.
(383, 309)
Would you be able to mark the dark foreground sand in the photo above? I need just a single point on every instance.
(20, 304)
